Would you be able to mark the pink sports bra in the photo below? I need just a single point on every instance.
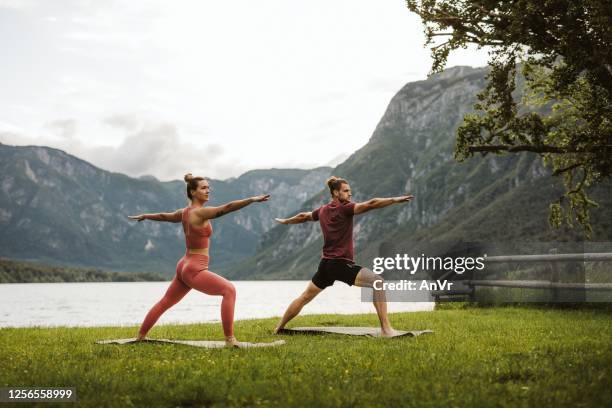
(195, 237)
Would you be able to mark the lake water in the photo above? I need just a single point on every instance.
(126, 303)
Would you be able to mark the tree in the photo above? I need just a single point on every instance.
(563, 49)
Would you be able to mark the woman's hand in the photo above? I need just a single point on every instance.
(403, 199)
(138, 218)
(260, 198)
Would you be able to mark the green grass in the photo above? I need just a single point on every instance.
(506, 356)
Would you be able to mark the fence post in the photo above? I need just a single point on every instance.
(554, 276)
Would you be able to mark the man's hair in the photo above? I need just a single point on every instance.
(334, 183)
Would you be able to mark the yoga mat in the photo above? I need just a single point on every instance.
(194, 343)
(351, 331)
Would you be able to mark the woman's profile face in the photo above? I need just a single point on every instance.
(202, 192)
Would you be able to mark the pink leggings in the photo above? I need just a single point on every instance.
(192, 272)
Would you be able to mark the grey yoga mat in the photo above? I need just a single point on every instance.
(351, 331)
(194, 343)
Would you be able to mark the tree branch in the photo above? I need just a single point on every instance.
(573, 166)
(579, 185)
(533, 148)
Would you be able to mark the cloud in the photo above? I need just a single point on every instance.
(18, 4)
(10, 128)
(155, 149)
(64, 128)
(124, 122)
(392, 83)
(158, 149)
(327, 97)
(337, 160)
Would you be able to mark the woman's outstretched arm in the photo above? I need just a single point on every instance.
(296, 219)
(376, 203)
(167, 217)
(207, 213)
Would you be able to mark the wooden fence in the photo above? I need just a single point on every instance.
(552, 284)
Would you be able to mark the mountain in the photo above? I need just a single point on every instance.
(491, 198)
(59, 209)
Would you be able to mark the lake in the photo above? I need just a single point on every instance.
(126, 303)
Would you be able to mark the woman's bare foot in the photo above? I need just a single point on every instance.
(388, 333)
(231, 342)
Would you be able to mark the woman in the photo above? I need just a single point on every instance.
(192, 269)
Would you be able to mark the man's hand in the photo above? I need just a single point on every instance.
(403, 199)
(138, 218)
(260, 198)
(296, 219)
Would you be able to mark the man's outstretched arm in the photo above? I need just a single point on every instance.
(376, 203)
(296, 219)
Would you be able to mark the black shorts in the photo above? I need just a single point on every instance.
(331, 270)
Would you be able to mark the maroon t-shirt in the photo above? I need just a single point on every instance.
(336, 221)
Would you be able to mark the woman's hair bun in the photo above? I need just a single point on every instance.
(188, 177)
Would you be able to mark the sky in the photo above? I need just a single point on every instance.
(209, 87)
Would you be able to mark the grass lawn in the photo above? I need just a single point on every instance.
(477, 357)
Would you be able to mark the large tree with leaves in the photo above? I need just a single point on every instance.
(563, 49)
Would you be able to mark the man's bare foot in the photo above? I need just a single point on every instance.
(278, 329)
(141, 338)
(388, 333)
(231, 342)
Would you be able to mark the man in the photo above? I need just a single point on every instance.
(337, 263)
